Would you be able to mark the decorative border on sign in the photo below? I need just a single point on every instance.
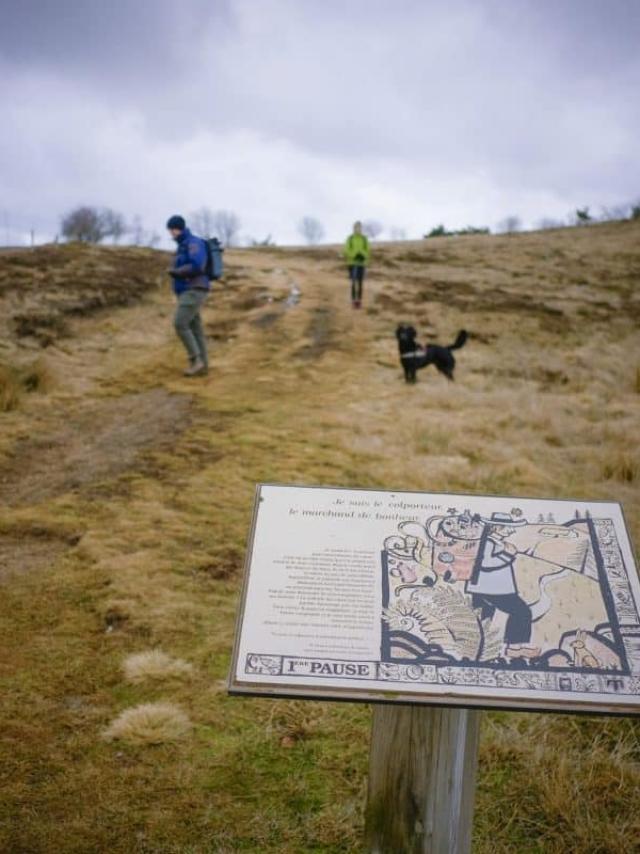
(258, 664)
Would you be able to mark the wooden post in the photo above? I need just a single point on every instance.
(421, 780)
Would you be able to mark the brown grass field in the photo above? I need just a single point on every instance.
(126, 496)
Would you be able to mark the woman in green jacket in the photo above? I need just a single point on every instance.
(356, 251)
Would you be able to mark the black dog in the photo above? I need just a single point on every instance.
(413, 356)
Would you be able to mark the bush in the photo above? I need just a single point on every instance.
(440, 231)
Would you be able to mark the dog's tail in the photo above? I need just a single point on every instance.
(460, 341)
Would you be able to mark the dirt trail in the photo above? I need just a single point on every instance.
(95, 424)
(98, 439)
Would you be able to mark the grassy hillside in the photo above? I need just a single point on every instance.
(127, 494)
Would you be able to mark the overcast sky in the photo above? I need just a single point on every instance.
(411, 112)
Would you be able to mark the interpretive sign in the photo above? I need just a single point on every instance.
(456, 600)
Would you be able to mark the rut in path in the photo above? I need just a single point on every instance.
(85, 437)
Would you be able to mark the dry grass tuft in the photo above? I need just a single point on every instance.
(294, 720)
(221, 563)
(15, 382)
(149, 723)
(621, 466)
(10, 389)
(116, 613)
(36, 377)
(154, 665)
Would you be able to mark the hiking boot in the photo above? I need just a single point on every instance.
(196, 368)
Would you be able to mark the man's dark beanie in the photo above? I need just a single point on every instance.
(176, 221)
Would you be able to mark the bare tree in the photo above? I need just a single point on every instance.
(226, 226)
(372, 228)
(509, 225)
(137, 230)
(114, 224)
(311, 229)
(616, 213)
(398, 233)
(91, 225)
(85, 224)
(203, 221)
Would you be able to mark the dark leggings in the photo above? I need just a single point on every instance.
(518, 628)
(356, 274)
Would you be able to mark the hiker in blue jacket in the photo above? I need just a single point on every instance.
(191, 287)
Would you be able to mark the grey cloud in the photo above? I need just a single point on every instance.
(586, 35)
(110, 40)
(467, 85)
(413, 79)
(525, 97)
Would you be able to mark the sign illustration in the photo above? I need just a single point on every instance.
(444, 599)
